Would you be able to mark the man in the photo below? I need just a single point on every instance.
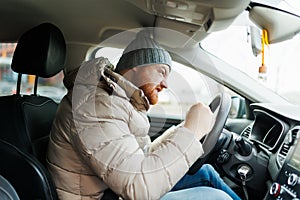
(99, 139)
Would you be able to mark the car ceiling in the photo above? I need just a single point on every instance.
(90, 22)
(80, 21)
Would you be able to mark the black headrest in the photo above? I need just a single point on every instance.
(40, 51)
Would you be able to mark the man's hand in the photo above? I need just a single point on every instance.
(199, 120)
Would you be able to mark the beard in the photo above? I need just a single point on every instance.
(151, 92)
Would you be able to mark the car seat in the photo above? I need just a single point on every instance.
(26, 120)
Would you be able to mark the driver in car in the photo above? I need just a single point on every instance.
(99, 145)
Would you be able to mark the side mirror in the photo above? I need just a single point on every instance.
(237, 109)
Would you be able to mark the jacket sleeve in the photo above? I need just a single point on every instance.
(106, 143)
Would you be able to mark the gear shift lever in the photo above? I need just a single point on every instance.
(244, 148)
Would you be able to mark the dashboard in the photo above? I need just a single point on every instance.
(265, 156)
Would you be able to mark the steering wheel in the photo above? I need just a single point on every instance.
(220, 107)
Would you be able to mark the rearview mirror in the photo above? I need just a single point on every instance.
(255, 34)
(274, 20)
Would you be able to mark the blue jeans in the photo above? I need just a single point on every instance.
(205, 184)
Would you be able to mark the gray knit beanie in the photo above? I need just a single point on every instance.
(143, 50)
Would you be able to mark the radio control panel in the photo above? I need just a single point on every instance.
(287, 185)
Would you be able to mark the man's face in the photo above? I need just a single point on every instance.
(152, 79)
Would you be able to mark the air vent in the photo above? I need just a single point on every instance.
(288, 142)
(285, 149)
(246, 133)
(283, 153)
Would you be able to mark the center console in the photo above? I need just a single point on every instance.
(287, 185)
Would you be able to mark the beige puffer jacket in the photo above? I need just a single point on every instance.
(100, 140)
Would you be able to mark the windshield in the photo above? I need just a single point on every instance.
(281, 59)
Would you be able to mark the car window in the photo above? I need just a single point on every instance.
(186, 86)
(50, 87)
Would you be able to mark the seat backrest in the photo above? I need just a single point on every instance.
(38, 114)
(26, 120)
